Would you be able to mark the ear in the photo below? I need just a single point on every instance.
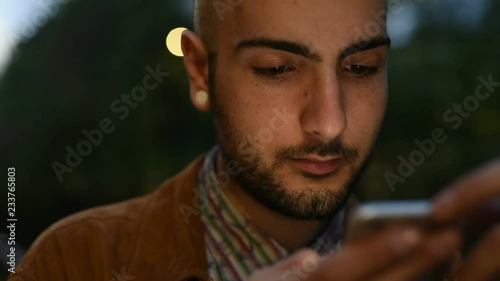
(196, 61)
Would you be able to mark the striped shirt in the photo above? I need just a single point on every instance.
(235, 247)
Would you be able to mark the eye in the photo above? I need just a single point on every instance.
(361, 70)
(275, 71)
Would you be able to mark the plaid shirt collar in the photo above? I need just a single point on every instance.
(235, 247)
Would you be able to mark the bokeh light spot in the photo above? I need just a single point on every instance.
(174, 41)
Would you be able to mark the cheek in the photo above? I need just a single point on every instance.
(365, 114)
(264, 122)
(248, 112)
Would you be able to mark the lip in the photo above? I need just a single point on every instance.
(317, 166)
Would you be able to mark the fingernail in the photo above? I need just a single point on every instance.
(405, 241)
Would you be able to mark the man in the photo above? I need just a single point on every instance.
(298, 99)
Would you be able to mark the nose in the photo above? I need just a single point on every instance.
(323, 117)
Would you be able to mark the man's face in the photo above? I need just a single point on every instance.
(300, 94)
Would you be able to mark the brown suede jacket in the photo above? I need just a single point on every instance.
(146, 238)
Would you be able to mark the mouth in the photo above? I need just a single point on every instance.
(317, 166)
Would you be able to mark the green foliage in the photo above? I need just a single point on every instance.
(439, 68)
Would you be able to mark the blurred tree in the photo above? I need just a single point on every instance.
(438, 69)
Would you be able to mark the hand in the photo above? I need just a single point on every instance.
(398, 253)
(463, 198)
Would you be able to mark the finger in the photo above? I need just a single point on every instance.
(369, 255)
(437, 249)
(468, 192)
(483, 263)
(293, 267)
(298, 258)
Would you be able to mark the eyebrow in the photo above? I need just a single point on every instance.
(282, 45)
(366, 45)
(303, 50)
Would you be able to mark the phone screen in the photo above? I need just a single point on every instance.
(368, 218)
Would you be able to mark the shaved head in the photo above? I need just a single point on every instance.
(205, 22)
(209, 13)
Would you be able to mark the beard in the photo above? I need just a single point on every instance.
(261, 181)
(300, 202)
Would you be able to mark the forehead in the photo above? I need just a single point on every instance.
(322, 24)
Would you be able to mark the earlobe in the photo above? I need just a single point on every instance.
(202, 100)
(196, 62)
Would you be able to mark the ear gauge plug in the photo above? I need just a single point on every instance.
(201, 97)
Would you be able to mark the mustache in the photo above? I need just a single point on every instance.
(332, 148)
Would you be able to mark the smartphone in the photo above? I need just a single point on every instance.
(368, 218)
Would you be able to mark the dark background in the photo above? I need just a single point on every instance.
(64, 79)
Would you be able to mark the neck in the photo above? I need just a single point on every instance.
(269, 222)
